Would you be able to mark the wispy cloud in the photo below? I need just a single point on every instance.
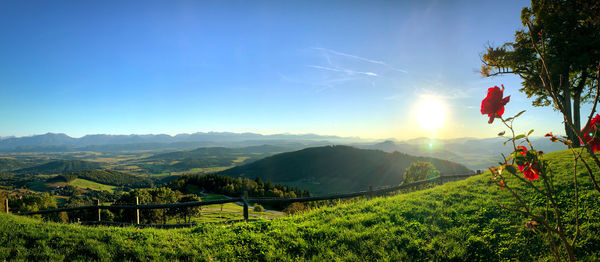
(360, 58)
(343, 70)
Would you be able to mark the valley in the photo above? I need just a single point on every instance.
(459, 220)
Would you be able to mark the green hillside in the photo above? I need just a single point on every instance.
(9, 164)
(87, 184)
(60, 167)
(217, 152)
(206, 157)
(108, 177)
(458, 221)
(337, 168)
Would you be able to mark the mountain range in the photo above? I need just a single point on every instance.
(475, 153)
(52, 142)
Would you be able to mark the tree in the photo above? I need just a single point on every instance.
(418, 171)
(128, 198)
(188, 212)
(35, 202)
(559, 47)
(163, 195)
(2, 199)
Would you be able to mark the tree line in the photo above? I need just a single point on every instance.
(108, 177)
(184, 189)
(229, 186)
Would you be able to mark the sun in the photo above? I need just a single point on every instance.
(431, 113)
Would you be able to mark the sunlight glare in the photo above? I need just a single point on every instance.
(431, 113)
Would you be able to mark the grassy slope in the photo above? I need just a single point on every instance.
(85, 184)
(457, 221)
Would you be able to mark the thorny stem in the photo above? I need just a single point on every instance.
(548, 193)
(550, 91)
(576, 157)
(513, 160)
(590, 173)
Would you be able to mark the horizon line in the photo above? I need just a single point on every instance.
(252, 133)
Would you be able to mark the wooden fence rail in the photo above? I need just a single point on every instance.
(147, 206)
(245, 200)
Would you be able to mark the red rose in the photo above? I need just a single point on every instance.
(552, 137)
(493, 104)
(530, 170)
(590, 133)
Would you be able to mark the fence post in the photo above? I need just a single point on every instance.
(6, 205)
(137, 211)
(370, 192)
(441, 179)
(245, 198)
(98, 205)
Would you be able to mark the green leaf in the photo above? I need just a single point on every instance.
(520, 113)
(502, 133)
(530, 131)
(511, 169)
(519, 137)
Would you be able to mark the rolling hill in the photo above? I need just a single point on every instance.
(9, 164)
(216, 152)
(60, 167)
(459, 221)
(108, 177)
(337, 168)
(207, 157)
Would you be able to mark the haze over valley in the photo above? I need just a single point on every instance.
(383, 130)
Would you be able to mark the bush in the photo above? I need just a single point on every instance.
(295, 208)
(258, 208)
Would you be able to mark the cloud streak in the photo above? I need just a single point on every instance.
(343, 70)
(377, 62)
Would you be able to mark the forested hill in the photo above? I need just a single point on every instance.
(337, 168)
(215, 152)
(60, 167)
(108, 177)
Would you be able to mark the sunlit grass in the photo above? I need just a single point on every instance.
(458, 221)
(87, 184)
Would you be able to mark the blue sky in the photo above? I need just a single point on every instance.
(348, 68)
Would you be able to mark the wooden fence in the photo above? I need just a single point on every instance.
(244, 199)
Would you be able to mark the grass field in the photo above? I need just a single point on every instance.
(207, 170)
(87, 184)
(229, 211)
(240, 159)
(458, 221)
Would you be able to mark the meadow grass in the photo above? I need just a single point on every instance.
(458, 221)
(85, 184)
